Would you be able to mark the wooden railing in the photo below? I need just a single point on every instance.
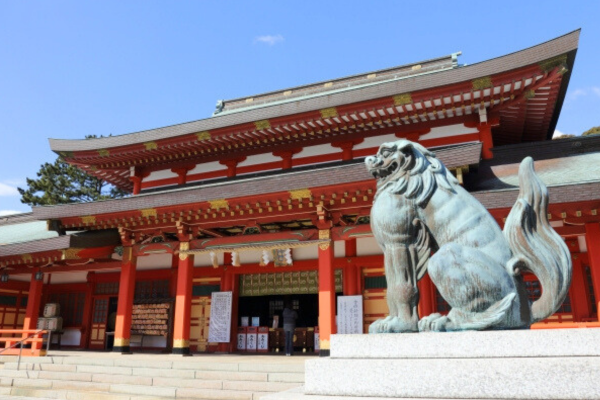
(15, 341)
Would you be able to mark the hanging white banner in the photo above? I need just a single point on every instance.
(219, 329)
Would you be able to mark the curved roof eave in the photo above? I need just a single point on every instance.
(544, 51)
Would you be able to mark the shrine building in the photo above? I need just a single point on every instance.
(269, 199)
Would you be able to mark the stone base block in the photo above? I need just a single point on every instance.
(526, 364)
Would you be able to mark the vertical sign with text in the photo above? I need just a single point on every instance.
(350, 314)
(219, 329)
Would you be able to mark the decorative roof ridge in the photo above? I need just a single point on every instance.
(562, 45)
(323, 88)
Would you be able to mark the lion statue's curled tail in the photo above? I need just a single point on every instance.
(424, 220)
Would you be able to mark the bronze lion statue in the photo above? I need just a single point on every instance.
(425, 221)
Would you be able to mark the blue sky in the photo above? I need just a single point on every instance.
(74, 68)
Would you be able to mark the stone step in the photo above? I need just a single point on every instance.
(122, 366)
(43, 379)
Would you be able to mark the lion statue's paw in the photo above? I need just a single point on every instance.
(392, 325)
(433, 323)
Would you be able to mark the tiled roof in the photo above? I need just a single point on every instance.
(108, 237)
(24, 232)
(559, 46)
(455, 156)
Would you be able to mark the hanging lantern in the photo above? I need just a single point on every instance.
(4, 277)
(39, 276)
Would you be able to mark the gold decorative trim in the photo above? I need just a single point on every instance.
(88, 219)
(416, 67)
(66, 154)
(402, 99)
(328, 84)
(323, 344)
(324, 246)
(329, 112)
(482, 83)
(70, 253)
(151, 145)
(371, 76)
(287, 92)
(181, 343)
(183, 246)
(27, 258)
(149, 212)
(121, 342)
(204, 135)
(324, 234)
(264, 124)
(103, 153)
(552, 63)
(300, 194)
(218, 204)
(529, 94)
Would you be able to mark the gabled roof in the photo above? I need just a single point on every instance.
(524, 90)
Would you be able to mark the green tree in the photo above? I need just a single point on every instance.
(62, 183)
(592, 131)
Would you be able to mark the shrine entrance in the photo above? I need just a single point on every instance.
(262, 298)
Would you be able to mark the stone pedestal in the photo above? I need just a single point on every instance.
(525, 364)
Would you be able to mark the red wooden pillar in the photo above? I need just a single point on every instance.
(592, 240)
(350, 273)
(183, 302)
(286, 157)
(232, 165)
(580, 301)
(125, 302)
(87, 310)
(426, 303)
(34, 298)
(485, 135)
(327, 325)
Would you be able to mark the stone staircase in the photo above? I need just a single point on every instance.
(149, 377)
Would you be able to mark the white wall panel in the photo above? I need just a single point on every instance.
(207, 167)
(367, 247)
(162, 174)
(154, 261)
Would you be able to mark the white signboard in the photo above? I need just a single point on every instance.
(350, 314)
(219, 329)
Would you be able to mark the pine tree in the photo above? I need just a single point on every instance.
(62, 183)
(592, 131)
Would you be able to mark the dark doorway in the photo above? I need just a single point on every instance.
(265, 307)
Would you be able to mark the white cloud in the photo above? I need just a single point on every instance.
(557, 133)
(575, 94)
(269, 39)
(596, 90)
(8, 190)
(9, 212)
